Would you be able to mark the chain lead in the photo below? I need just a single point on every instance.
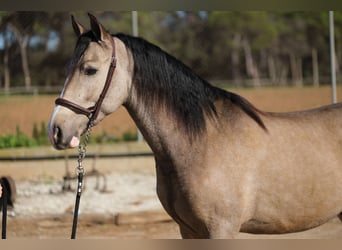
(82, 149)
(80, 173)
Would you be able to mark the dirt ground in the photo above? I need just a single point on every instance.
(91, 227)
(95, 227)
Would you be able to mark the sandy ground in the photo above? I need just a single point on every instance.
(43, 210)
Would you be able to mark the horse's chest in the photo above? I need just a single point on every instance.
(177, 200)
(169, 190)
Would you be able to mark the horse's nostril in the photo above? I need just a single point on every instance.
(56, 137)
(57, 134)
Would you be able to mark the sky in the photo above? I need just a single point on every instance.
(52, 42)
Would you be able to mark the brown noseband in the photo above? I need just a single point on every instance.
(92, 112)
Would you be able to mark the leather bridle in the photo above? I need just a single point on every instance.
(93, 111)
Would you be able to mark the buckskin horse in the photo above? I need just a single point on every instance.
(222, 165)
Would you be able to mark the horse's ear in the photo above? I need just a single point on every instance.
(78, 28)
(97, 28)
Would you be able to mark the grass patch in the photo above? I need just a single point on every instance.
(39, 137)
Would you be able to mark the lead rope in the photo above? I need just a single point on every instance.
(82, 148)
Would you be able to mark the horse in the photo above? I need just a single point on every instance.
(222, 165)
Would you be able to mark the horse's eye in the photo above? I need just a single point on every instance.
(90, 71)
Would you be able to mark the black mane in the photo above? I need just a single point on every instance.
(160, 79)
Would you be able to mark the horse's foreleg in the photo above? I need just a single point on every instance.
(223, 231)
(186, 234)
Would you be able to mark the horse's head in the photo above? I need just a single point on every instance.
(92, 89)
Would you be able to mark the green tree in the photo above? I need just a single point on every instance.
(245, 34)
(21, 24)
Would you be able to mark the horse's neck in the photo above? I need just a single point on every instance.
(159, 130)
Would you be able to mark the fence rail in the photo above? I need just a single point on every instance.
(34, 90)
(73, 156)
(264, 82)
